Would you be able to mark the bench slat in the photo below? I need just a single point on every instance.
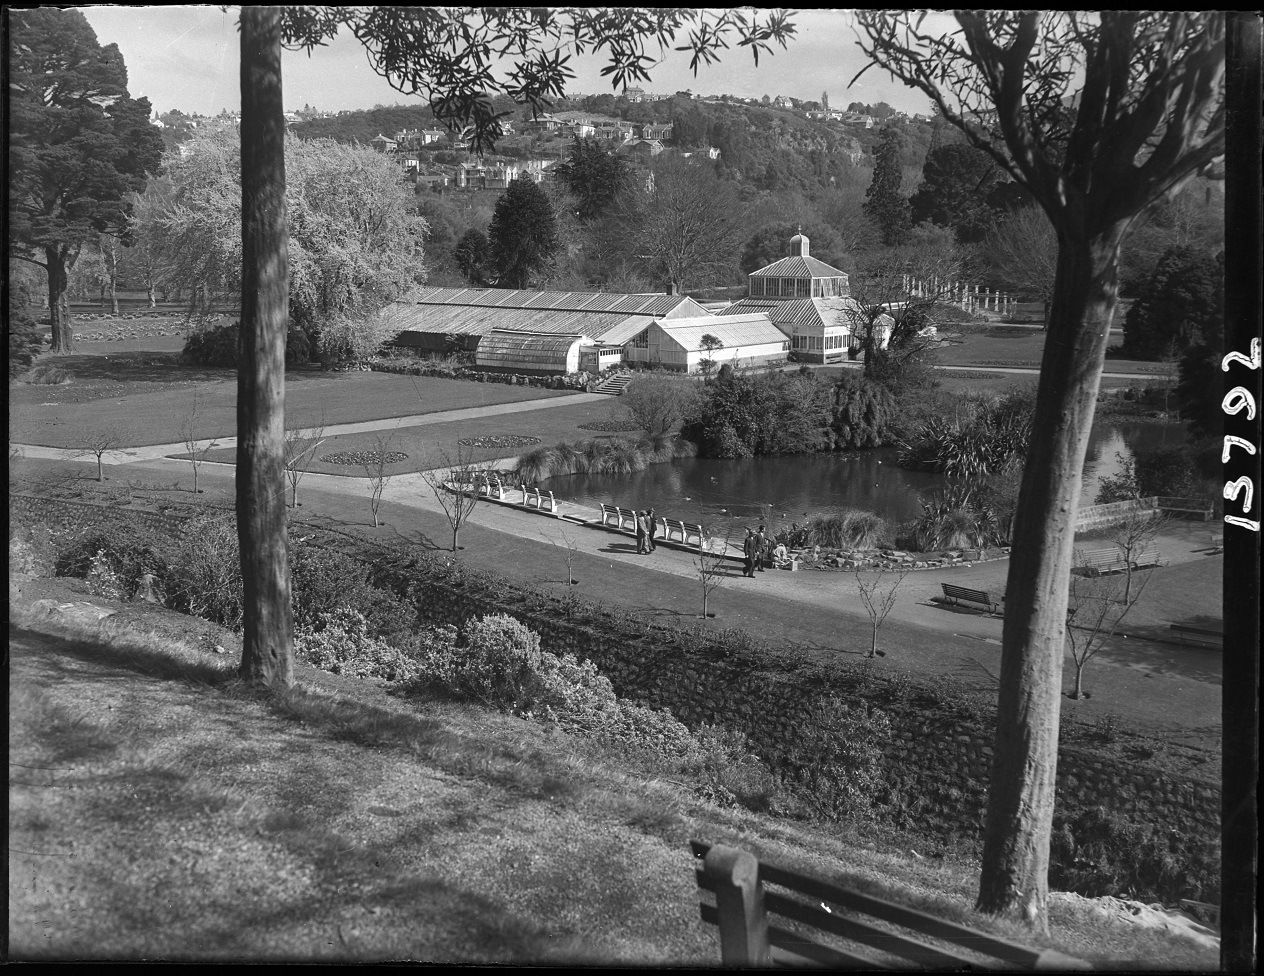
(925, 923)
(790, 947)
(858, 931)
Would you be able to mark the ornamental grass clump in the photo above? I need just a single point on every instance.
(851, 529)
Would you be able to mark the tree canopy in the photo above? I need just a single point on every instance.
(953, 193)
(594, 177)
(1181, 305)
(79, 145)
(522, 239)
(885, 203)
(355, 240)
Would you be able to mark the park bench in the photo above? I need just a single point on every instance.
(1186, 506)
(490, 486)
(1217, 543)
(1095, 562)
(1201, 635)
(535, 498)
(685, 533)
(821, 924)
(620, 519)
(958, 593)
(1147, 556)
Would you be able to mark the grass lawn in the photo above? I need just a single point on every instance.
(337, 821)
(420, 443)
(147, 396)
(1005, 345)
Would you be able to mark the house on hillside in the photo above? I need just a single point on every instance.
(660, 131)
(545, 123)
(634, 94)
(383, 144)
(641, 148)
(710, 152)
(579, 128)
(781, 101)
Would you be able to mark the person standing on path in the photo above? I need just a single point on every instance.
(748, 553)
(761, 548)
(651, 528)
(640, 533)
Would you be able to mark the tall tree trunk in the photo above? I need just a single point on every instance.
(1014, 877)
(267, 642)
(63, 340)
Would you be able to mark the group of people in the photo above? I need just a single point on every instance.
(646, 527)
(758, 551)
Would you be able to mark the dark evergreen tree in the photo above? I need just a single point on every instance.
(471, 256)
(1200, 388)
(956, 180)
(79, 145)
(522, 238)
(24, 341)
(1181, 305)
(885, 205)
(593, 176)
(864, 413)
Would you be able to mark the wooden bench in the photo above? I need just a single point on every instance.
(1201, 635)
(958, 593)
(490, 486)
(1095, 562)
(536, 498)
(833, 926)
(1147, 556)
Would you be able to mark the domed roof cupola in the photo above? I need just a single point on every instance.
(799, 245)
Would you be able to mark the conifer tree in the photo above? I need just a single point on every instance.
(522, 238)
(885, 205)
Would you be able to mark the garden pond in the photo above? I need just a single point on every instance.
(799, 486)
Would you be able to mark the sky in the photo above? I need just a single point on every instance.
(187, 58)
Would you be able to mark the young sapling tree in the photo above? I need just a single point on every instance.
(878, 601)
(455, 482)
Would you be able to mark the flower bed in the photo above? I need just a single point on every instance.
(365, 457)
(427, 367)
(499, 441)
(893, 559)
(610, 426)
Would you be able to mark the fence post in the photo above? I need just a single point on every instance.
(739, 900)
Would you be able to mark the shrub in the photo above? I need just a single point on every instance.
(129, 551)
(1098, 852)
(838, 758)
(342, 645)
(215, 346)
(25, 341)
(324, 580)
(205, 573)
(48, 375)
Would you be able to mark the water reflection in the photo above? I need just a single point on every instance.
(794, 487)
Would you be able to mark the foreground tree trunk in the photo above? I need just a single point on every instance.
(63, 340)
(267, 642)
(1015, 880)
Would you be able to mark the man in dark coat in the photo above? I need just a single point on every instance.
(641, 533)
(652, 528)
(761, 548)
(748, 553)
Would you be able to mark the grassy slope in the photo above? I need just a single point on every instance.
(148, 397)
(160, 809)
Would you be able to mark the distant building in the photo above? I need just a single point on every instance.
(661, 131)
(634, 94)
(642, 148)
(809, 300)
(781, 101)
(383, 144)
(747, 339)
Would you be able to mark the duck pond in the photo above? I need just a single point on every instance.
(797, 487)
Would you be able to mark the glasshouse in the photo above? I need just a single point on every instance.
(530, 352)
